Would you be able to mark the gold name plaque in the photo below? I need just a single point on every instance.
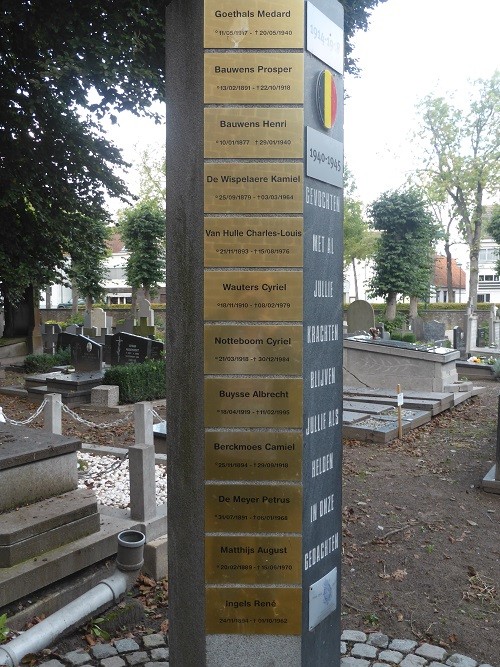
(253, 296)
(253, 403)
(253, 455)
(241, 508)
(254, 24)
(254, 78)
(253, 611)
(254, 242)
(248, 560)
(254, 133)
(253, 350)
(272, 187)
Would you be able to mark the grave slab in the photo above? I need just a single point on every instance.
(366, 407)
(371, 430)
(349, 417)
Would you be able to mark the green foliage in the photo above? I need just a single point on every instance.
(96, 630)
(4, 630)
(495, 367)
(359, 239)
(399, 322)
(43, 363)
(356, 17)
(138, 382)
(409, 337)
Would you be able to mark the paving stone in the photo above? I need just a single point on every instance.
(343, 648)
(435, 664)
(391, 656)
(52, 663)
(114, 661)
(379, 664)
(102, 651)
(485, 665)
(364, 651)
(431, 652)
(157, 664)
(137, 658)
(403, 645)
(458, 660)
(161, 654)
(378, 639)
(126, 645)
(154, 641)
(413, 661)
(353, 662)
(77, 657)
(353, 636)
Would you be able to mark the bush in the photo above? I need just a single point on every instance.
(409, 337)
(139, 382)
(42, 363)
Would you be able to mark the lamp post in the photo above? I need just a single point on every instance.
(459, 265)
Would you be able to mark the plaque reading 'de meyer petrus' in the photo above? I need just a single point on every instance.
(254, 78)
(273, 611)
(253, 296)
(270, 187)
(253, 350)
(253, 402)
(254, 242)
(254, 132)
(253, 455)
(227, 25)
(243, 559)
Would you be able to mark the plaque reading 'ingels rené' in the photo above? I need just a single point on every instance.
(254, 78)
(253, 296)
(254, 24)
(254, 242)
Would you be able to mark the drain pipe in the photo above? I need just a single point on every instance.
(129, 560)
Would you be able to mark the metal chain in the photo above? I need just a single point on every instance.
(86, 422)
(155, 414)
(29, 419)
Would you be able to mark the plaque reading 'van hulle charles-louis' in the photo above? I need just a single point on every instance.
(255, 25)
(254, 242)
(254, 132)
(253, 350)
(253, 455)
(254, 78)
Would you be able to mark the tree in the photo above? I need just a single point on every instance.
(142, 229)
(462, 159)
(356, 17)
(404, 251)
(88, 268)
(494, 229)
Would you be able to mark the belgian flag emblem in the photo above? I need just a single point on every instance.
(326, 98)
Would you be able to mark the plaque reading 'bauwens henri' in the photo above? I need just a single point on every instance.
(254, 242)
(254, 132)
(253, 350)
(254, 78)
(253, 455)
(252, 26)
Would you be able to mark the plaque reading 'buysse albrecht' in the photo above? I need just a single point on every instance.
(254, 132)
(251, 25)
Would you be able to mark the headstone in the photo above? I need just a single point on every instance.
(482, 336)
(471, 337)
(382, 333)
(360, 316)
(74, 329)
(143, 328)
(458, 338)
(433, 331)
(144, 309)
(86, 355)
(50, 334)
(130, 349)
(417, 327)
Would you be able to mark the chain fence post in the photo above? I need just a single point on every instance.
(52, 414)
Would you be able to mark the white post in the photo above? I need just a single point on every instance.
(143, 421)
(52, 414)
(142, 482)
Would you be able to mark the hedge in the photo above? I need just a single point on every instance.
(139, 382)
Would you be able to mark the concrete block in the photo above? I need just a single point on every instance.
(105, 396)
(155, 558)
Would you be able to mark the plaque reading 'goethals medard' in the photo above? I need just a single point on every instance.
(254, 242)
(272, 296)
(253, 403)
(254, 78)
(253, 455)
(253, 132)
(254, 611)
(253, 350)
(250, 559)
(255, 26)
(271, 187)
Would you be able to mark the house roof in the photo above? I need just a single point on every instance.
(115, 244)
(458, 275)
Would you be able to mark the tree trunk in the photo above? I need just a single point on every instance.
(74, 300)
(390, 311)
(413, 306)
(354, 273)
(449, 273)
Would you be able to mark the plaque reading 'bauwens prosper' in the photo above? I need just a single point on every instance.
(254, 242)
(243, 559)
(253, 455)
(254, 132)
(254, 24)
(253, 403)
(251, 187)
(273, 611)
(253, 296)
(254, 78)
(253, 350)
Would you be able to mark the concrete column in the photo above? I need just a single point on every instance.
(142, 482)
(52, 414)
(143, 420)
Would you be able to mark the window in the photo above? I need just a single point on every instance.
(488, 278)
(488, 255)
(483, 298)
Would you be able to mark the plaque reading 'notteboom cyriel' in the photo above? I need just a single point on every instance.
(248, 559)
(253, 455)
(254, 78)
(228, 26)
(254, 242)
(253, 296)
(269, 187)
(254, 132)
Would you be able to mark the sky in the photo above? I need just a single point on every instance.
(412, 48)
